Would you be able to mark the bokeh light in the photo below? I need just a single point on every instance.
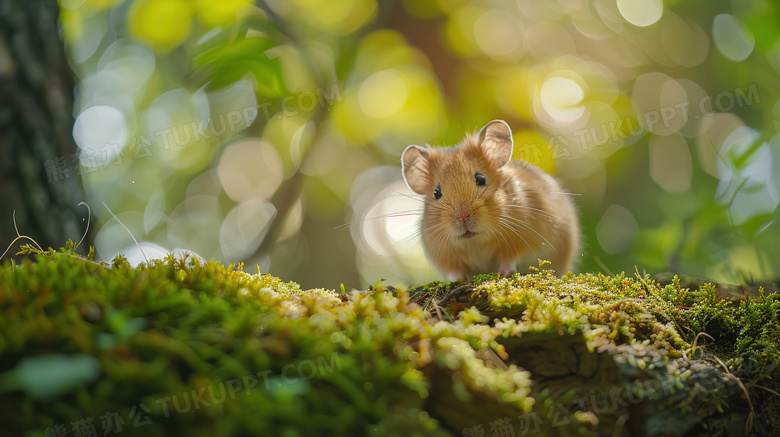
(383, 94)
(498, 33)
(670, 163)
(562, 98)
(616, 230)
(732, 37)
(250, 169)
(163, 23)
(101, 132)
(641, 13)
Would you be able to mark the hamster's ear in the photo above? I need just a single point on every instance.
(416, 169)
(495, 140)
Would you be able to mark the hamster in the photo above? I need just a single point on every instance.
(485, 212)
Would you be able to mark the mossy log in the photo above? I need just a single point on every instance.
(178, 348)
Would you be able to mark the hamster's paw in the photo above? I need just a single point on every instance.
(507, 268)
(454, 276)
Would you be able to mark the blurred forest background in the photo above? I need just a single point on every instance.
(270, 132)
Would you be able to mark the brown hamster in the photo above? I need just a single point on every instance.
(485, 212)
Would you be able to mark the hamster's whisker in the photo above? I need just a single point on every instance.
(416, 234)
(414, 239)
(391, 215)
(514, 231)
(411, 212)
(399, 214)
(446, 205)
(509, 243)
(529, 187)
(516, 226)
(394, 244)
(545, 182)
(539, 211)
(479, 196)
(439, 240)
(512, 195)
(517, 220)
(415, 197)
(437, 232)
(564, 193)
(530, 207)
(530, 228)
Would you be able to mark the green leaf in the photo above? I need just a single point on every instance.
(50, 375)
(223, 65)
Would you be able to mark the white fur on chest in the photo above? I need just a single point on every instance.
(481, 256)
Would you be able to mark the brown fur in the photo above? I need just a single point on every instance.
(520, 215)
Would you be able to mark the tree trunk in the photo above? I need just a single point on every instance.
(38, 171)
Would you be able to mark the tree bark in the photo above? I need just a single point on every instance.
(38, 162)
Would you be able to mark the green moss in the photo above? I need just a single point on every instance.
(211, 350)
(485, 278)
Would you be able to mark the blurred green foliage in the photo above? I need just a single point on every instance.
(663, 117)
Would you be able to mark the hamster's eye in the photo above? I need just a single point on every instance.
(481, 181)
(437, 192)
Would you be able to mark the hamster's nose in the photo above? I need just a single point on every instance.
(464, 216)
